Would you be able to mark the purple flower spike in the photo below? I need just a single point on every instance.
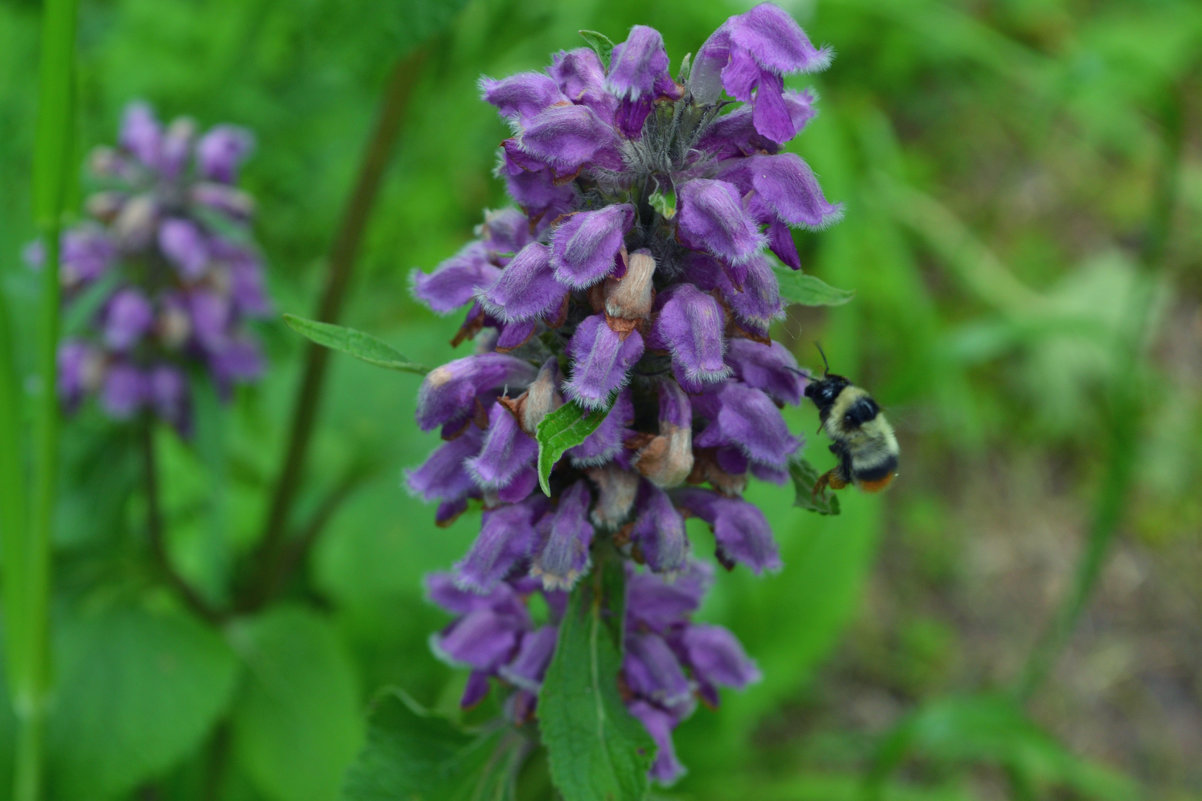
(220, 152)
(584, 249)
(740, 530)
(184, 246)
(653, 671)
(788, 186)
(659, 530)
(526, 289)
(448, 393)
(568, 137)
(564, 558)
(456, 281)
(637, 64)
(127, 318)
(521, 97)
(507, 537)
(601, 362)
(666, 768)
(718, 658)
(507, 449)
(712, 219)
(770, 368)
(691, 325)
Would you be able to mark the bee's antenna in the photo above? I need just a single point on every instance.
(825, 363)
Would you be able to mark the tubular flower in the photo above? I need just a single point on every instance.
(670, 662)
(166, 255)
(635, 279)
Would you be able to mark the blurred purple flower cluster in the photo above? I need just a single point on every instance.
(668, 661)
(166, 268)
(633, 280)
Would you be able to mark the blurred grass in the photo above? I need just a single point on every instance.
(997, 163)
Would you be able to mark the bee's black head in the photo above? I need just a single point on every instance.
(824, 392)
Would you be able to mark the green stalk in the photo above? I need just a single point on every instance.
(12, 493)
(1126, 407)
(52, 158)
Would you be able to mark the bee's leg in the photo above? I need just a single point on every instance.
(832, 478)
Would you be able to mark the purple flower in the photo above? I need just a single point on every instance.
(637, 64)
(506, 539)
(718, 658)
(507, 449)
(448, 393)
(746, 418)
(691, 325)
(659, 530)
(767, 367)
(604, 444)
(124, 391)
(564, 557)
(455, 282)
(521, 97)
(584, 249)
(221, 151)
(581, 78)
(667, 458)
(526, 289)
(712, 219)
(141, 134)
(787, 186)
(127, 317)
(740, 530)
(568, 137)
(659, 724)
(601, 361)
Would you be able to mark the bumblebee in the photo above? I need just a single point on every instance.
(860, 435)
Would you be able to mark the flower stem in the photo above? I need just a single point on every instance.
(156, 530)
(272, 549)
(1126, 405)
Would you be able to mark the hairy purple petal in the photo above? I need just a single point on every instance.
(520, 97)
(690, 325)
(659, 724)
(748, 419)
(758, 302)
(444, 474)
(636, 64)
(570, 137)
(716, 657)
(601, 361)
(526, 289)
(481, 639)
(455, 282)
(505, 232)
(740, 529)
(448, 393)
(788, 186)
(776, 41)
(770, 368)
(507, 449)
(712, 219)
(659, 530)
(564, 557)
(507, 538)
(584, 249)
(658, 604)
(527, 669)
(653, 671)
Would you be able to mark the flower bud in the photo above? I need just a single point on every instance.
(630, 297)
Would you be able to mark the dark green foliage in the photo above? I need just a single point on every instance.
(805, 478)
(355, 343)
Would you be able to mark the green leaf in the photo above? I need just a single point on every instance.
(805, 477)
(808, 290)
(356, 343)
(422, 20)
(664, 203)
(296, 723)
(596, 749)
(414, 755)
(564, 428)
(601, 45)
(138, 690)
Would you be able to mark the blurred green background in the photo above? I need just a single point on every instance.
(1025, 313)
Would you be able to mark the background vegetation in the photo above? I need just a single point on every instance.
(1023, 181)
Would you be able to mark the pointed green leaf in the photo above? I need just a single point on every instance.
(356, 343)
(415, 755)
(601, 45)
(805, 477)
(597, 750)
(808, 290)
(564, 428)
(664, 203)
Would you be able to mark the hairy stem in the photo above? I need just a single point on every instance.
(272, 548)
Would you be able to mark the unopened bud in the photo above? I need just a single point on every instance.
(630, 297)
